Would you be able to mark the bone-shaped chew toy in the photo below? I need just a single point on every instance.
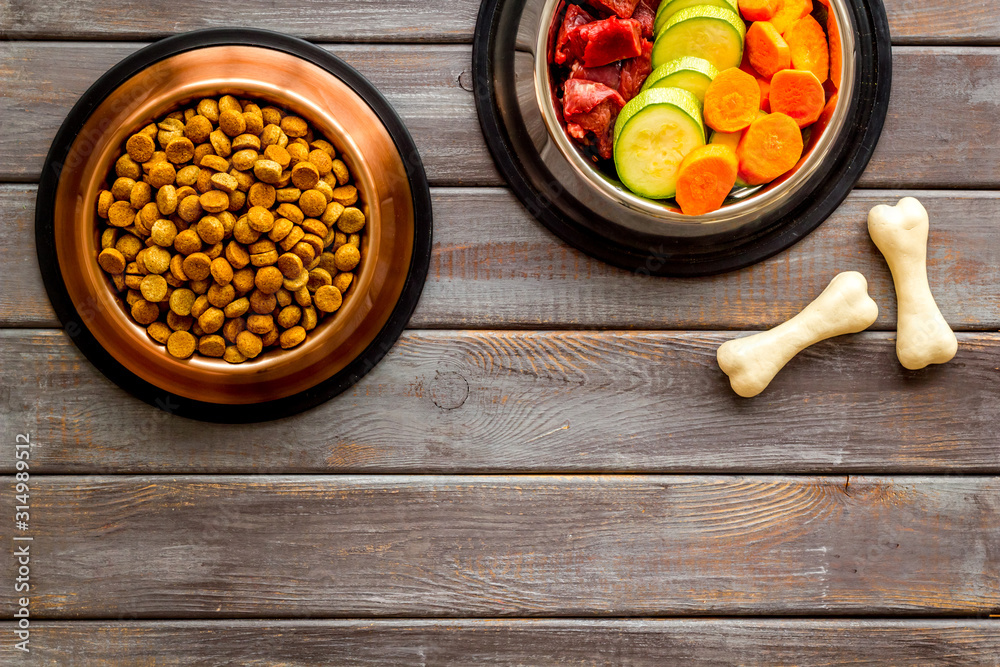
(844, 307)
(923, 336)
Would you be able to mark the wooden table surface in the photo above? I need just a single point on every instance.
(549, 466)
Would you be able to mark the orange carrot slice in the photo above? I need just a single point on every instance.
(769, 53)
(807, 43)
(770, 147)
(762, 83)
(758, 10)
(732, 100)
(790, 11)
(836, 55)
(706, 177)
(797, 94)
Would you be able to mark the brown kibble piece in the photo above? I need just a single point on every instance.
(140, 147)
(212, 346)
(145, 312)
(232, 122)
(210, 229)
(214, 201)
(221, 296)
(156, 259)
(153, 288)
(181, 344)
(211, 320)
(290, 265)
(342, 281)
(181, 301)
(222, 271)
(346, 257)
(187, 242)
(121, 214)
(341, 172)
(268, 280)
(179, 150)
(111, 260)
(328, 298)
(305, 175)
(313, 203)
(351, 221)
(268, 171)
(159, 331)
(260, 219)
(198, 128)
(237, 308)
(261, 194)
(233, 355)
(292, 337)
(289, 316)
(294, 126)
(249, 344)
(197, 266)
(346, 195)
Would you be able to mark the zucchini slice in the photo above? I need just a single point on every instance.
(711, 33)
(690, 74)
(654, 133)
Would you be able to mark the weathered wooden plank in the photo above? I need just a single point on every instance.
(910, 21)
(43, 80)
(653, 643)
(337, 20)
(493, 266)
(532, 402)
(944, 106)
(269, 546)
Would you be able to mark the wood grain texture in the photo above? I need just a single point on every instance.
(429, 86)
(270, 546)
(910, 21)
(639, 643)
(943, 109)
(535, 402)
(336, 20)
(494, 266)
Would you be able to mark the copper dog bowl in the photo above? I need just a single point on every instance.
(590, 209)
(367, 135)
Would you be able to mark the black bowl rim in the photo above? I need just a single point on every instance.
(76, 327)
(666, 256)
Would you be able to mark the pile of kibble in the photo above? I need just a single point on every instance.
(231, 228)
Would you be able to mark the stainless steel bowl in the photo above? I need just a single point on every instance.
(598, 214)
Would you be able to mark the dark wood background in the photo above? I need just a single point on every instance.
(549, 466)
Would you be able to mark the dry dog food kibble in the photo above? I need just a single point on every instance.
(229, 227)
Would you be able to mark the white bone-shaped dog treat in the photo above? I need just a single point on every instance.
(923, 336)
(844, 307)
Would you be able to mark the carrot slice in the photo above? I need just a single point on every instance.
(706, 177)
(769, 53)
(762, 83)
(790, 11)
(836, 55)
(770, 147)
(732, 100)
(807, 43)
(758, 10)
(797, 94)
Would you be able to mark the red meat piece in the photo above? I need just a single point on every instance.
(589, 106)
(575, 17)
(645, 14)
(603, 42)
(635, 71)
(621, 8)
(609, 75)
